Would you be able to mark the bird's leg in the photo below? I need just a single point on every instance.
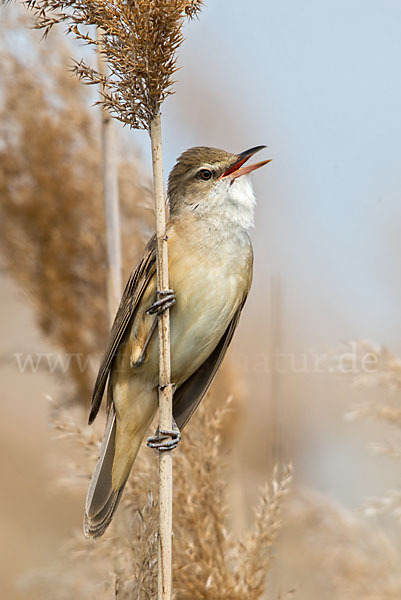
(141, 358)
(166, 299)
(165, 439)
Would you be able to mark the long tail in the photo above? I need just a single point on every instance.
(117, 455)
(102, 500)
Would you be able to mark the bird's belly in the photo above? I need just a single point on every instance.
(209, 288)
(206, 300)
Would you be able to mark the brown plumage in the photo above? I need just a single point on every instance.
(210, 270)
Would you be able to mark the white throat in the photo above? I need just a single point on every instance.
(230, 204)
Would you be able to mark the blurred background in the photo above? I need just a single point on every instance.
(318, 82)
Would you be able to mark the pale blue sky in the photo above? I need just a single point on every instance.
(319, 82)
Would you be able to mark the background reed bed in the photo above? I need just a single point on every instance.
(305, 543)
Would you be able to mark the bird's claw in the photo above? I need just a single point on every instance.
(165, 439)
(166, 300)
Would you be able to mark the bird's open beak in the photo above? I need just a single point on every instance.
(236, 171)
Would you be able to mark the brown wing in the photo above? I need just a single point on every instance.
(136, 285)
(188, 396)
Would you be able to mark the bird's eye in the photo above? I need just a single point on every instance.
(205, 174)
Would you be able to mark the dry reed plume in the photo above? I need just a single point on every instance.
(51, 217)
(384, 373)
(210, 563)
(342, 555)
(356, 555)
(139, 43)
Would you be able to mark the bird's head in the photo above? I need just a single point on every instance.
(215, 183)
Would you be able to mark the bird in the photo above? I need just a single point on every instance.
(210, 260)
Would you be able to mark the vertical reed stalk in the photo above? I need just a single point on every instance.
(165, 386)
(275, 334)
(111, 200)
(112, 223)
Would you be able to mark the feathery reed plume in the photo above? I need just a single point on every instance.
(371, 365)
(139, 42)
(209, 561)
(51, 218)
(337, 552)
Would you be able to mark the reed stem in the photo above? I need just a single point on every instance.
(165, 386)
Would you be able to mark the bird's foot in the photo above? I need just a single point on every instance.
(166, 300)
(165, 439)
